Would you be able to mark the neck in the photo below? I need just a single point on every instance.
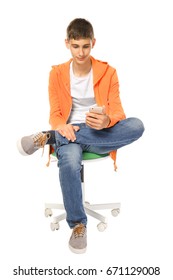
(81, 70)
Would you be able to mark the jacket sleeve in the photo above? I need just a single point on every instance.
(56, 116)
(115, 109)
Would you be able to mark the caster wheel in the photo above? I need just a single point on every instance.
(115, 212)
(101, 226)
(54, 226)
(48, 212)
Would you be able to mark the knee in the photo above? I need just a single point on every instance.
(137, 125)
(69, 156)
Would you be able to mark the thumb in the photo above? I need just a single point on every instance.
(76, 127)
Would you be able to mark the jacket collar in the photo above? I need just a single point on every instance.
(99, 69)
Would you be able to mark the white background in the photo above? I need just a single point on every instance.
(136, 38)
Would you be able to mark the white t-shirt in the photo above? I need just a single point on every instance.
(82, 93)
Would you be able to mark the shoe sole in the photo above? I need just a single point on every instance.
(20, 149)
(77, 251)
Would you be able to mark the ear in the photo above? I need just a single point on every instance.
(93, 42)
(67, 43)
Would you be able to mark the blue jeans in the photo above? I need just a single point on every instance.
(70, 157)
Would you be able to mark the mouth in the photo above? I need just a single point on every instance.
(81, 58)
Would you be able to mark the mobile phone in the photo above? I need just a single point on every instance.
(96, 109)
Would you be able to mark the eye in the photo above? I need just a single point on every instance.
(75, 46)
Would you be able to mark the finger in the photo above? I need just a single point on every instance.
(93, 123)
(94, 120)
(76, 128)
(71, 131)
(93, 126)
(70, 134)
(91, 115)
(61, 132)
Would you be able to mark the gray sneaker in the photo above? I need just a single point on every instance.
(78, 239)
(27, 145)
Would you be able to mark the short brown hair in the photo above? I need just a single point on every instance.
(80, 28)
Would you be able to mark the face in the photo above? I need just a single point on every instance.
(80, 49)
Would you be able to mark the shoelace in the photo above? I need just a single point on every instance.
(79, 231)
(40, 139)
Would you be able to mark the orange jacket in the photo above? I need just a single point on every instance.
(106, 90)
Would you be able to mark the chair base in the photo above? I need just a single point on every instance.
(89, 209)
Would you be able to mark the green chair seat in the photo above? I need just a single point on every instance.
(88, 155)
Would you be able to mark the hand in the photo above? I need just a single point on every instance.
(68, 131)
(97, 121)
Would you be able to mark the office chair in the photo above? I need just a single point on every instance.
(89, 208)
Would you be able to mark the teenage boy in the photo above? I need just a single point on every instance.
(74, 87)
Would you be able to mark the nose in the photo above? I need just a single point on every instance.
(81, 52)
